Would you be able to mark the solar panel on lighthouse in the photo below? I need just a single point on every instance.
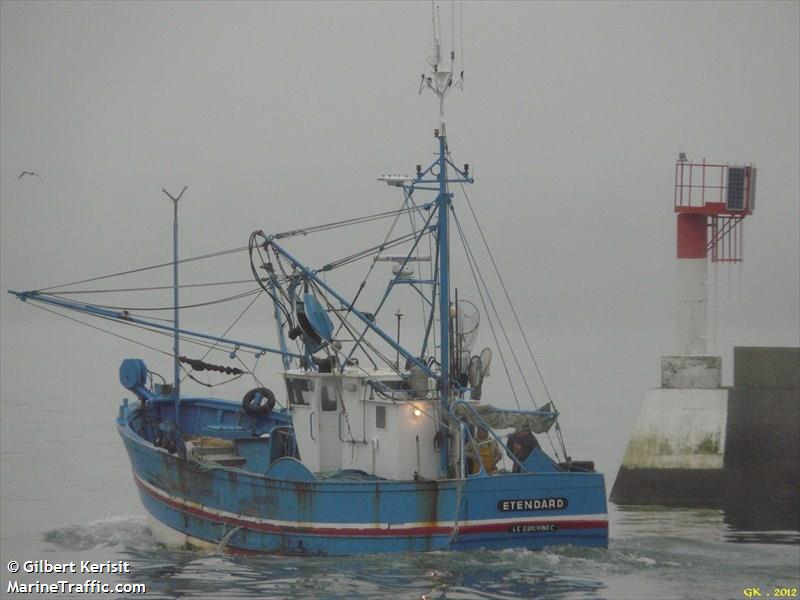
(736, 188)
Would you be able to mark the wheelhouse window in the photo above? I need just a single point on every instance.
(295, 388)
(380, 417)
(328, 397)
(390, 388)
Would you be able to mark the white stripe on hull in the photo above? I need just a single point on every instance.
(362, 525)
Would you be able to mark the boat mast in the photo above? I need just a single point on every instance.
(440, 80)
(443, 202)
(176, 358)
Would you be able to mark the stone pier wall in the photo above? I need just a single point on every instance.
(710, 446)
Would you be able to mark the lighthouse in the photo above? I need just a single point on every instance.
(695, 442)
(711, 202)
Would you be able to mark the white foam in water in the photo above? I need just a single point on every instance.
(110, 531)
(553, 559)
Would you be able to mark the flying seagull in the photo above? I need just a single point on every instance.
(21, 175)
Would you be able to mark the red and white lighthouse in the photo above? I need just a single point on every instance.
(711, 201)
(695, 442)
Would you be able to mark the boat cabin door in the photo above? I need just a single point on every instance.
(314, 404)
(329, 438)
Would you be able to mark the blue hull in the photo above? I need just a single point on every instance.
(258, 514)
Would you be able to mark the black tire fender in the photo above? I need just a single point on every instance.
(258, 401)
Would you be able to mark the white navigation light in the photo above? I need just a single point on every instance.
(395, 180)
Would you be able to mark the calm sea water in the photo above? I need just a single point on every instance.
(67, 492)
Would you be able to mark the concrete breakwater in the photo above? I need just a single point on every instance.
(696, 443)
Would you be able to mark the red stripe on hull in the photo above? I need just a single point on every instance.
(421, 531)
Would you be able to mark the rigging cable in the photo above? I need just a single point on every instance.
(369, 271)
(231, 326)
(163, 308)
(120, 320)
(471, 260)
(496, 312)
(413, 220)
(188, 338)
(514, 313)
(247, 370)
(250, 245)
(398, 241)
(140, 269)
(224, 252)
(350, 329)
(342, 223)
(277, 283)
(417, 239)
(508, 298)
(152, 288)
(473, 268)
(117, 335)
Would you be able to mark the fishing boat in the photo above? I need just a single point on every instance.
(372, 445)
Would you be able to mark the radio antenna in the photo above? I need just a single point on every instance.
(439, 78)
(461, 40)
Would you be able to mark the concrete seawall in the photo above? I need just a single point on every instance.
(698, 444)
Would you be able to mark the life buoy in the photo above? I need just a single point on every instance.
(258, 401)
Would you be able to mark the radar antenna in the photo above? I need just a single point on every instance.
(440, 78)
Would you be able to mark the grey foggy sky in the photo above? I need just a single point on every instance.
(278, 115)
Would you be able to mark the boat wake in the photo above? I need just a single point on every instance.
(564, 572)
(124, 531)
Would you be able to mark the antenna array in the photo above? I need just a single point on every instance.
(440, 78)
